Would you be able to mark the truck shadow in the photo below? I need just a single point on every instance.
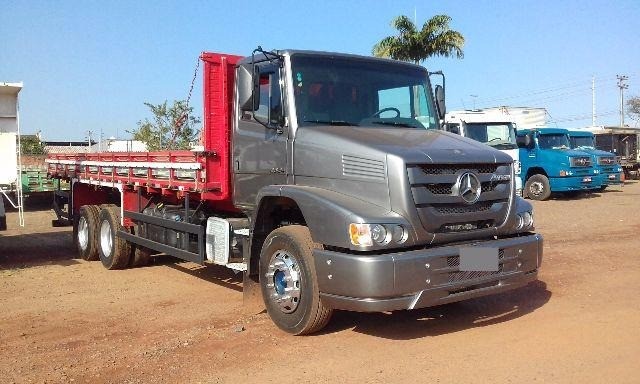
(34, 249)
(215, 274)
(444, 319)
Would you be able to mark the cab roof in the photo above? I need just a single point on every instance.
(544, 131)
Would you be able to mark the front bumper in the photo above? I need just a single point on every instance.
(574, 183)
(611, 178)
(422, 278)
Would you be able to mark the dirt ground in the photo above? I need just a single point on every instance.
(66, 320)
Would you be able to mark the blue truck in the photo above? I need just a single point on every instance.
(550, 165)
(606, 162)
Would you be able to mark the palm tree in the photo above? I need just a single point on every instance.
(434, 39)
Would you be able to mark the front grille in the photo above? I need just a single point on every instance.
(441, 206)
(606, 160)
(446, 169)
(447, 209)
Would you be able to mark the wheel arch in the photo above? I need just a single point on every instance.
(535, 171)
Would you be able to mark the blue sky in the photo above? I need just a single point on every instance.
(89, 65)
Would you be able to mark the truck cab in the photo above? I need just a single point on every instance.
(606, 162)
(550, 165)
(497, 131)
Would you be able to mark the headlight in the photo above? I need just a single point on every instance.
(524, 221)
(528, 219)
(379, 234)
(366, 235)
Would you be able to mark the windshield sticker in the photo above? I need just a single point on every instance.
(299, 79)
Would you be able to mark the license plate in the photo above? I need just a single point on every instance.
(479, 259)
(586, 179)
(612, 177)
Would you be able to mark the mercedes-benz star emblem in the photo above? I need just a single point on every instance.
(468, 187)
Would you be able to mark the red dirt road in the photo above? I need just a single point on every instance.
(66, 320)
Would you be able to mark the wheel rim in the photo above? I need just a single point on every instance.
(83, 233)
(106, 239)
(283, 281)
(536, 188)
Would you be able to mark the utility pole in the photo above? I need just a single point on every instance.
(593, 101)
(474, 101)
(89, 134)
(622, 85)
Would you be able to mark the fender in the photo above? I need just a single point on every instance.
(329, 213)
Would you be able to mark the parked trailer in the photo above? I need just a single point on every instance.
(10, 186)
(324, 179)
(623, 142)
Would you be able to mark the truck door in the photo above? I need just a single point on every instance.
(260, 140)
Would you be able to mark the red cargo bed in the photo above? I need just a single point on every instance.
(206, 172)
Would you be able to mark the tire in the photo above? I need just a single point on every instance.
(300, 311)
(602, 188)
(140, 257)
(537, 187)
(86, 231)
(115, 252)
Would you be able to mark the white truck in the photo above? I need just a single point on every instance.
(489, 127)
(10, 185)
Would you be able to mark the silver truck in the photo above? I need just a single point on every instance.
(343, 193)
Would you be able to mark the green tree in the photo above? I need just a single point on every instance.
(633, 108)
(413, 45)
(171, 127)
(31, 145)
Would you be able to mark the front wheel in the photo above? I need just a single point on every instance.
(289, 283)
(537, 187)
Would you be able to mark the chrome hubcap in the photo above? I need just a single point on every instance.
(106, 239)
(83, 233)
(536, 188)
(283, 281)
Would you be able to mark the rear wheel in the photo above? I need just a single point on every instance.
(87, 232)
(289, 283)
(140, 255)
(537, 187)
(115, 252)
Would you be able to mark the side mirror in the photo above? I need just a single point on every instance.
(244, 83)
(524, 141)
(256, 88)
(442, 109)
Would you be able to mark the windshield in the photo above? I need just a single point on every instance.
(553, 141)
(582, 142)
(351, 91)
(498, 135)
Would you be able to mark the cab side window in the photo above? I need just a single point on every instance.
(270, 109)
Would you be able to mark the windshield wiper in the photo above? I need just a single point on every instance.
(504, 145)
(395, 124)
(332, 122)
